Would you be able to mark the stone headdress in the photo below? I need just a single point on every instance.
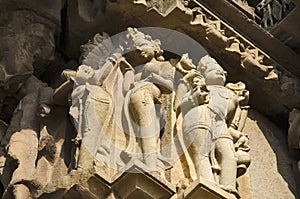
(207, 63)
(142, 41)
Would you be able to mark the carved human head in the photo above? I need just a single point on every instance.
(85, 74)
(148, 47)
(213, 73)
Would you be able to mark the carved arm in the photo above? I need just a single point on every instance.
(161, 82)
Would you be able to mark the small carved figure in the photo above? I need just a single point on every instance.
(222, 105)
(251, 60)
(142, 102)
(215, 34)
(92, 109)
(210, 124)
(196, 117)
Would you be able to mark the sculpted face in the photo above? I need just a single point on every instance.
(216, 77)
(214, 74)
(85, 74)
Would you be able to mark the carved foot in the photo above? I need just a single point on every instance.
(230, 189)
(273, 75)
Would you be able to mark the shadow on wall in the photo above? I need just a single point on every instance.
(1, 190)
(271, 169)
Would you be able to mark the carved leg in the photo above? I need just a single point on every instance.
(225, 155)
(198, 142)
(143, 113)
(149, 149)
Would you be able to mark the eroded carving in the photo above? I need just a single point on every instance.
(273, 11)
(22, 138)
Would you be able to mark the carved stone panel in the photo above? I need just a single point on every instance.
(147, 112)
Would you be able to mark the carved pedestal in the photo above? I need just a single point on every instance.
(136, 183)
(130, 183)
(78, 191)
(202, 189)
(92, 187)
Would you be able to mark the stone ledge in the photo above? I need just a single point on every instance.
(202, 189)
(135, 182)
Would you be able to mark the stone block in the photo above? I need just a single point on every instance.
(202, 189)
(77, 192)
(137, 183)
(93, 187)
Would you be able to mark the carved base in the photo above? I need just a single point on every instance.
(78, 191)
(92, 187)
(137, 183)
(202, 189)
(132, 182)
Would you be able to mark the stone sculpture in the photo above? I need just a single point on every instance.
(118, 90)
(140, 105)
(92, 107)
(96, 84)
(223, 105)
(196, 118)
(126, 86)
(21, 138)
(212, 120)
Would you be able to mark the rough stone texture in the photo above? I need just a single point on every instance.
(294, 129)
(27, 48)
(46, 8)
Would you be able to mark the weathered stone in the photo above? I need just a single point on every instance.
(28, 40)
(202, 189)
(49, 9)
(28, 48)
(136, 183)
(21, 191)
(130, 132)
